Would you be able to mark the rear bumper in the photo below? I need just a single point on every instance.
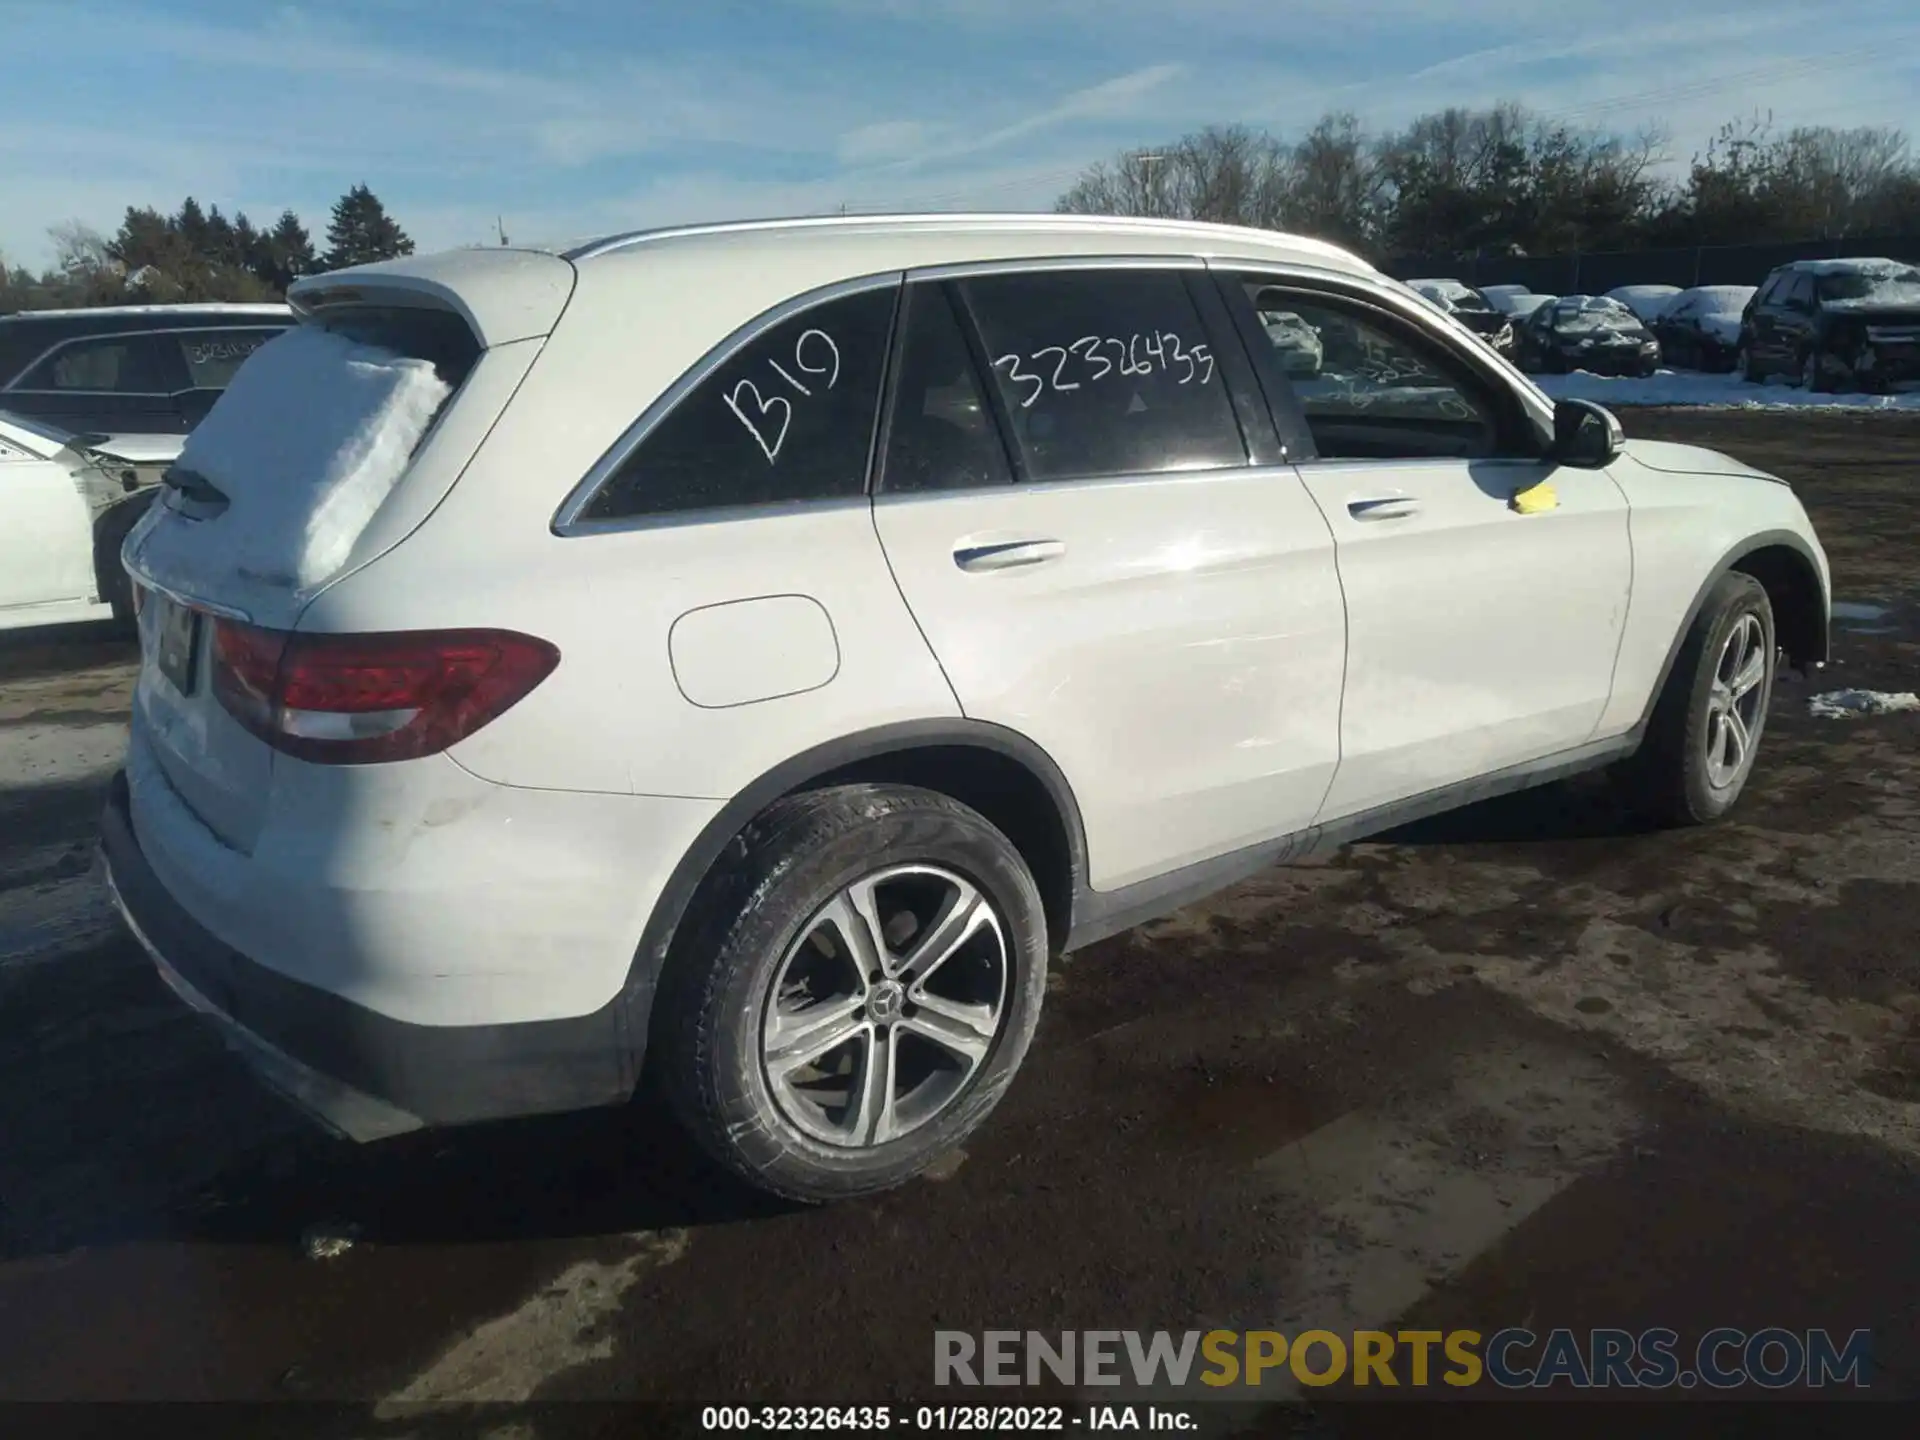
(366, 1075)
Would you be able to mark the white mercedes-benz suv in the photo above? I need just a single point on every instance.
(757, 648)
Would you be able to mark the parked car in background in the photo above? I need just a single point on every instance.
(1517, 305)
(66, 504)
(1587, 332)
(1495, 292)
(1835, 324)
(1700, 328)
(1471, 308)
(928, 596)
(1296, 342)
(1646, 301)
(128, 370)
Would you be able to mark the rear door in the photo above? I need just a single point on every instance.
(1114, 569)
(1479, 637)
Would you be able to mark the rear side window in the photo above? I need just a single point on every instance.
(113, 364)
(213, 355)
(789, 416)
(1105, 372)
(942, 435)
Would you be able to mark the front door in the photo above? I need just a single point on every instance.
(1097, 564)
(1482, 631)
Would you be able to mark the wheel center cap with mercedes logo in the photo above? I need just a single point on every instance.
(886, 1002)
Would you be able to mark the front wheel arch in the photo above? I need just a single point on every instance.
(1784, 565)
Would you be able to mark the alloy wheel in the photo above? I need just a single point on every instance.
(885, 1007)
(1735, 702)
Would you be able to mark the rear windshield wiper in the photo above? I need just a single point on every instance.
(192, 493)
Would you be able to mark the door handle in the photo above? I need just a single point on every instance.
(1007, 554)
(1387, 507)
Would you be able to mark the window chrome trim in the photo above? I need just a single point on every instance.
(1405, 305)
(14, 387)
(567, 520)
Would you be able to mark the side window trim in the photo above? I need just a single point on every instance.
(1266, 445)
(1284, 414)
(1512, 414)
(983, 375)
(568, 520)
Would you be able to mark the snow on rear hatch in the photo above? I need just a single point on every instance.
(307, 442)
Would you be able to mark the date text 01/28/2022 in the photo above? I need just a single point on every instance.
(974, 1419)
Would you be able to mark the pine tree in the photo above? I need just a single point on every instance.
(190, 222)
(361, 231)
(286, 253)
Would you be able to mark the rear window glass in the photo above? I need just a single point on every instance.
(303, 448)
(439, 337)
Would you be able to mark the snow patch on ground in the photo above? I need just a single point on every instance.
(1850, 704)
(306, 443)
(1679, 387)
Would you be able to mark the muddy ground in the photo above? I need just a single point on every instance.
(1521, 1065)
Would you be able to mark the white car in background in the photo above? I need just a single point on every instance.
(517, 702)
(1645, 301)
(66, 503)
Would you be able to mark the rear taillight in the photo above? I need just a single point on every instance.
(362, 699)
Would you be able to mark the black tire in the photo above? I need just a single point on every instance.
(1743, 365)
(111, 578)
(1670, 779)
(764, 897)
(1813, 375)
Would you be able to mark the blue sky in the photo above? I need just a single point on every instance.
(570, 117)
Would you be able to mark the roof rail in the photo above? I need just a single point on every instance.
(1039, 219)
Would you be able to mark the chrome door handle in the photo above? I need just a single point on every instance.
(1007, 554)
(1388, 507)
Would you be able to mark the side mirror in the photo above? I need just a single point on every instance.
(1586, 436)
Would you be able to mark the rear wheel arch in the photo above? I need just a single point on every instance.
(996, 771)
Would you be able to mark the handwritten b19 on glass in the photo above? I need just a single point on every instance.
(815, 355)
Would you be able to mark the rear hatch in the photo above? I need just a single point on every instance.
(265, 506)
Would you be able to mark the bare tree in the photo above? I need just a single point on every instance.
(1334, 186)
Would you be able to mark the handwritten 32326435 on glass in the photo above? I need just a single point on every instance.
(1164, 349)
(819, 360)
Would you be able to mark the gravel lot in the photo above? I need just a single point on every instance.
(1519, 1065)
